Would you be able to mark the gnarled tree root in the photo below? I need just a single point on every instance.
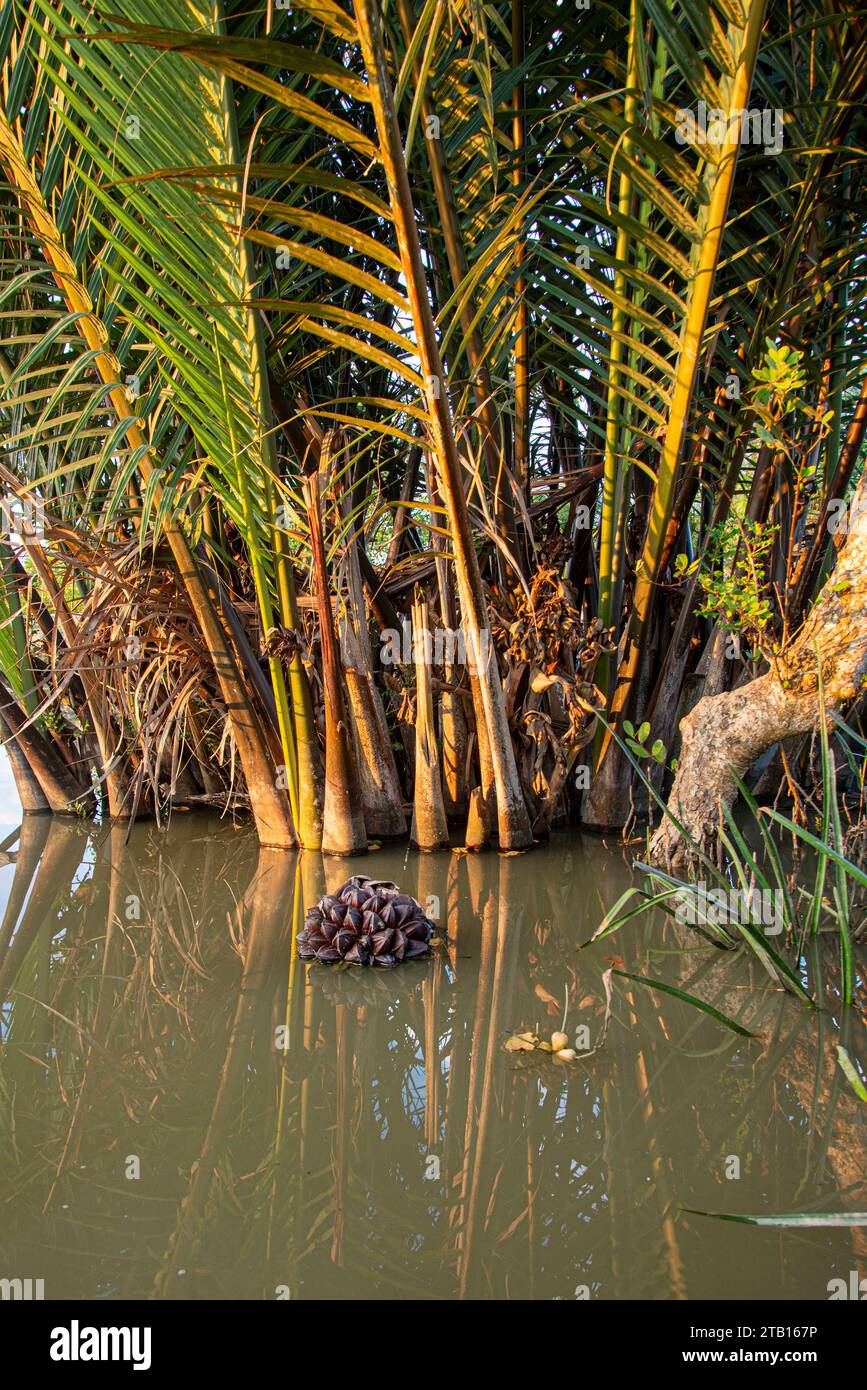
(724, 734)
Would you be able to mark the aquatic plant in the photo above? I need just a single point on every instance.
(752, 893)
(366, 922)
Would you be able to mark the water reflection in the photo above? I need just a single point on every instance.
(189, 1111)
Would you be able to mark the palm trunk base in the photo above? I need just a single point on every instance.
(478, 830)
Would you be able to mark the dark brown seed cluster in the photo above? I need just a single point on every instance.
(366, 922)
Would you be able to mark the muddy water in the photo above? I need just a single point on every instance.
(188, 1112)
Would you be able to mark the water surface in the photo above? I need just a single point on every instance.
(186, 1111)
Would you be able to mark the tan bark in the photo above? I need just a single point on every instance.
(381, 793)
(343, 829)
(429, 827)
(725, 734)
(30, 793)
(452, 713)
(477, 832)
(61, 792)
(454, 734)
(483, 748)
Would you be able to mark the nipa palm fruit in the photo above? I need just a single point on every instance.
(366, 922)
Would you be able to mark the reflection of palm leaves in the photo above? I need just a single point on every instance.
(568, 1154)
(102, 1212)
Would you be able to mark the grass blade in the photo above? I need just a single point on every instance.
(688, 999)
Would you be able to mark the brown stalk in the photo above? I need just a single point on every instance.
(429, 827)
(380, 786)
(513, 820)
(343, 828)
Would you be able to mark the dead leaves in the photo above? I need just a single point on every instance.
(558, 1046)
